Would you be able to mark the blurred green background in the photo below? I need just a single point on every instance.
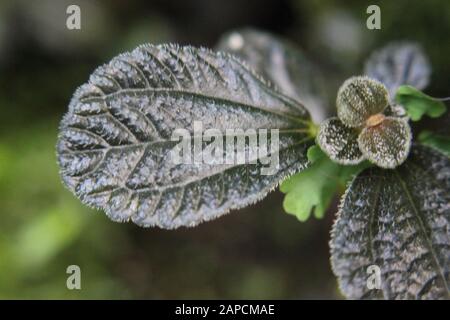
(257, 252)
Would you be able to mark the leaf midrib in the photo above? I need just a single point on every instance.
(196, 179)
(291, 117)
(162, 141)
(422, 224)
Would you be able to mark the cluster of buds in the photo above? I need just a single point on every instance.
(364, 129)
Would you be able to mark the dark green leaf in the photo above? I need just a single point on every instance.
(398, 220)
(115, 142)
(399, 64)
(418, 103)
(281, 62)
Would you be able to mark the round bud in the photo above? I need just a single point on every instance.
(340, 143)
(359, 98)
(386, 144)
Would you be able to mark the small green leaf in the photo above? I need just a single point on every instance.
(434, 140)
(418, 103)
(314, 153)
(313, 189)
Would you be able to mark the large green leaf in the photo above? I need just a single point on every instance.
(398, 220)
(281, 62)
(399, 63)
(115, 143)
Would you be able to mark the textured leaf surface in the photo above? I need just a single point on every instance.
(281, 62)
(418, 104)
(115, 141)
(339, 142)
(399, 64)
(358, 98)
(398, 220)
(386, 144)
